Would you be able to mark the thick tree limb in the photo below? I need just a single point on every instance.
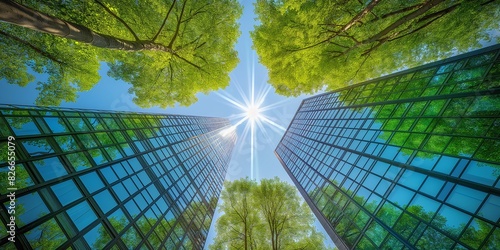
(23, 16)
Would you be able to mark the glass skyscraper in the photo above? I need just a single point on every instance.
(87, 179)
(406, 161)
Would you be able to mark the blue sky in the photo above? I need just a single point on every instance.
(110, 94)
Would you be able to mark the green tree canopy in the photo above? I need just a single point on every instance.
(307, 45)
(168, 51)
(265, 215)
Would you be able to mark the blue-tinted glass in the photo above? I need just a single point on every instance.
(105, 201)
(79, 161)
(118, 220)
(432, 186)
(481, 172)
(82, 215)
(120, 191)
(412, 179)
(132, 208)
(98, 156)
(33, 208)
(109, 175)
(451, 220)
(67, 143)
(490, 209)
(22, 126)
(97, 237)
(428, 206)
(445, 164)
(401, 195)
(130, 186)
(50, 168)
(66, 192)
(466, 198)
(37, 147)
(92, 182)
(48, 232)
(56, 125)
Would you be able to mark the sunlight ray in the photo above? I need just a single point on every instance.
(237, 104)
(273, 123)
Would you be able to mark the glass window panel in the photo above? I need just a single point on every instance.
(66, 192)
(490, 209)
(82, 215)
(105, 201)
(423, 207)
(466, 198)
(376, 233)
(432, 239)
(22, 126)
(79, 161)
(388, 213)
(92, 182)
(98, 156)
(425, 160)
(405, 225)
(492, 242)
(87, 140)
(33, 207)
(432, 186)
(78, 124)
(46, 236)
(23, 179)
(451, 220)
(411, 179)
(476, 233)
(56, 125)
(120, 191)
(67, 143)
(131, 238)
(401, 196)
(481, 172)
(50, 168)
(98, 237)
(113, 153)
(132, 208)
(118, 220)
(109, 174)
(37, 147)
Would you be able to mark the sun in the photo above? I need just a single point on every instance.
(252, 112)
(252, 115)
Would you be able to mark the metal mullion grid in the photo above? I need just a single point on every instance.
(121, 204)
(425, 172)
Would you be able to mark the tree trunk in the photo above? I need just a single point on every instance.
(20, 15)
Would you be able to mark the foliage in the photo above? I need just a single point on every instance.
(307, 45)
(181, 48)
(265, 215)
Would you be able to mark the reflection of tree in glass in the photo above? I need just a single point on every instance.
(265, 215)
(408, 223)
(374, 37)
(156, 47)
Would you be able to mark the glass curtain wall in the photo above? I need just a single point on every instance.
(110, 180)
(410, 160)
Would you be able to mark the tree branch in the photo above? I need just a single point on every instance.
(176, 33)
(164, 21)
(119, 19)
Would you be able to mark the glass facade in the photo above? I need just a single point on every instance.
(406, 161)
(90, 179)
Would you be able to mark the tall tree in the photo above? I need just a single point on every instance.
(169, 52)
(265, 215)
(307, 45)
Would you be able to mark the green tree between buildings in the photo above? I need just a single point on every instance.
(307, 45)
(265, 215)
(168, 51)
